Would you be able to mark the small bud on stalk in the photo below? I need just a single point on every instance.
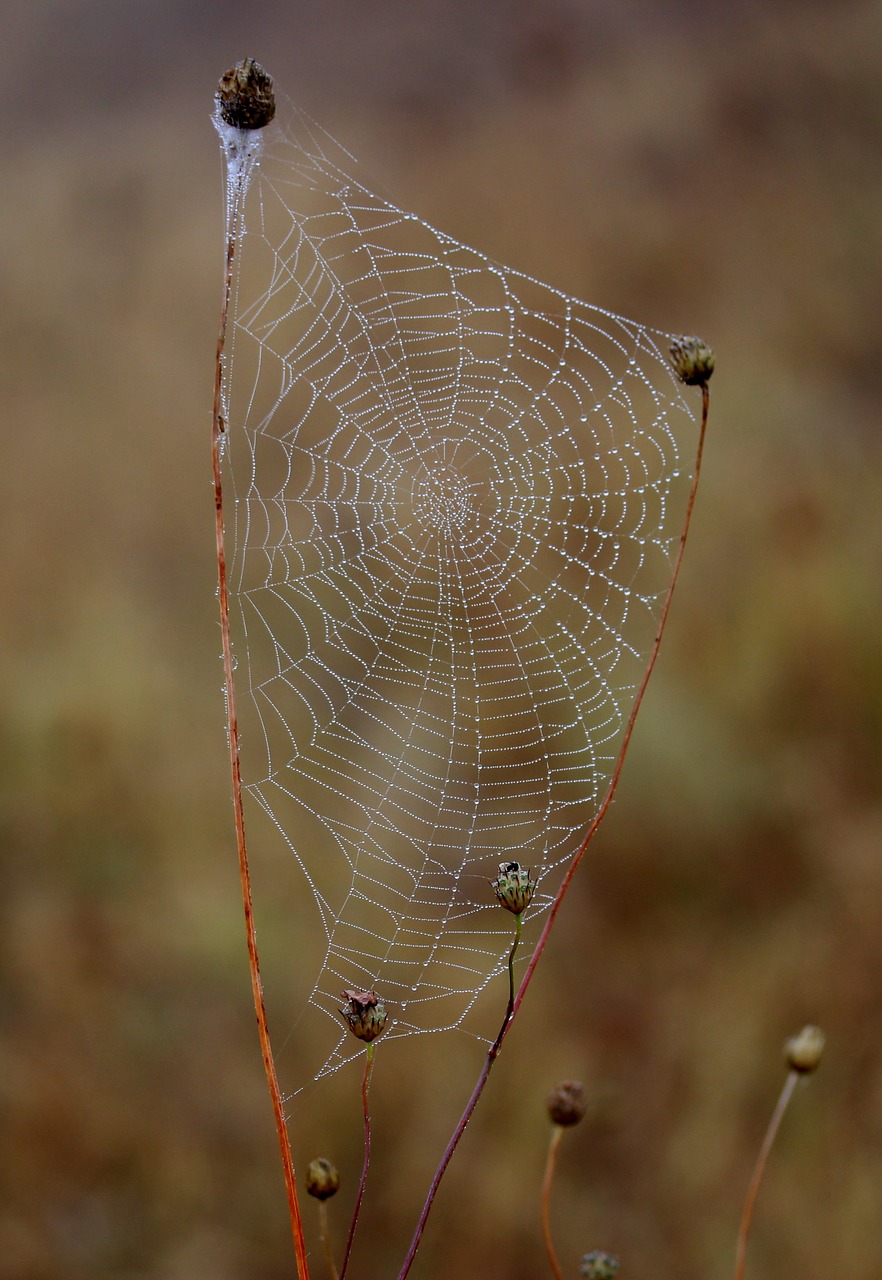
(322, 1178)
(566, 1103)
(245, 96)
(804, 1050)
(365, 1014)
(599, 1265)
(514, 887)
(693, 361)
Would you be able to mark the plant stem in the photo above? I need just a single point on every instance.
(556, 1135)
(511, 981)
(218, 428)
(493, 1051)
(325, 1237)
(365, 1085)
(762, 1160)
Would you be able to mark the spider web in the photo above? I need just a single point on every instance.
(456, 497)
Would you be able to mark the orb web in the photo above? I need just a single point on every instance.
(456, 496)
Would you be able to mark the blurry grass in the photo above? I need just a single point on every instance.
(736, 890)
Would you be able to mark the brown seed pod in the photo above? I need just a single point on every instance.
(365, 1014)
(566, 1103)
(693, 361)
(322, 1178)
(245, 96)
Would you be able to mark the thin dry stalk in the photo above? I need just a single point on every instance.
(762, 1161)
(550, 1164)
(365, 1085)
(325, 1236)
(493, 1051)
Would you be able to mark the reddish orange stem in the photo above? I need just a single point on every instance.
(218, 428)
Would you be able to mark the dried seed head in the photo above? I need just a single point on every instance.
(322, 1179)
(804, 1050)
(245, 97)
(514, 887)
(599, 1265)
(566, 1103)
(365, 1014)
(693, 361)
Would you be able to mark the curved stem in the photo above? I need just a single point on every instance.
(493, 1051)
(365, 1085)
(218, 428)
(762, 1161)
(556, 1135)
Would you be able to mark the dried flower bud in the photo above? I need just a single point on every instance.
(804, 1050)
(693, 361)
(322, 1179)
(566, 1103)
(365, 1014)
(245, 97)
(599, 1265)
(514, 887)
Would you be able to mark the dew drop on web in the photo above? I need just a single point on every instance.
(456, 498)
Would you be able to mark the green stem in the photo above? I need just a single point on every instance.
(511, 981)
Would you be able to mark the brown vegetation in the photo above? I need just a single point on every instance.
(717, 176)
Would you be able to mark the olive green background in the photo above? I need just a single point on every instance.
(704, 168)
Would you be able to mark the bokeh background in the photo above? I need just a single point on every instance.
(710, 168)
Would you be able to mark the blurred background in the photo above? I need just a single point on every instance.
(704, 168)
